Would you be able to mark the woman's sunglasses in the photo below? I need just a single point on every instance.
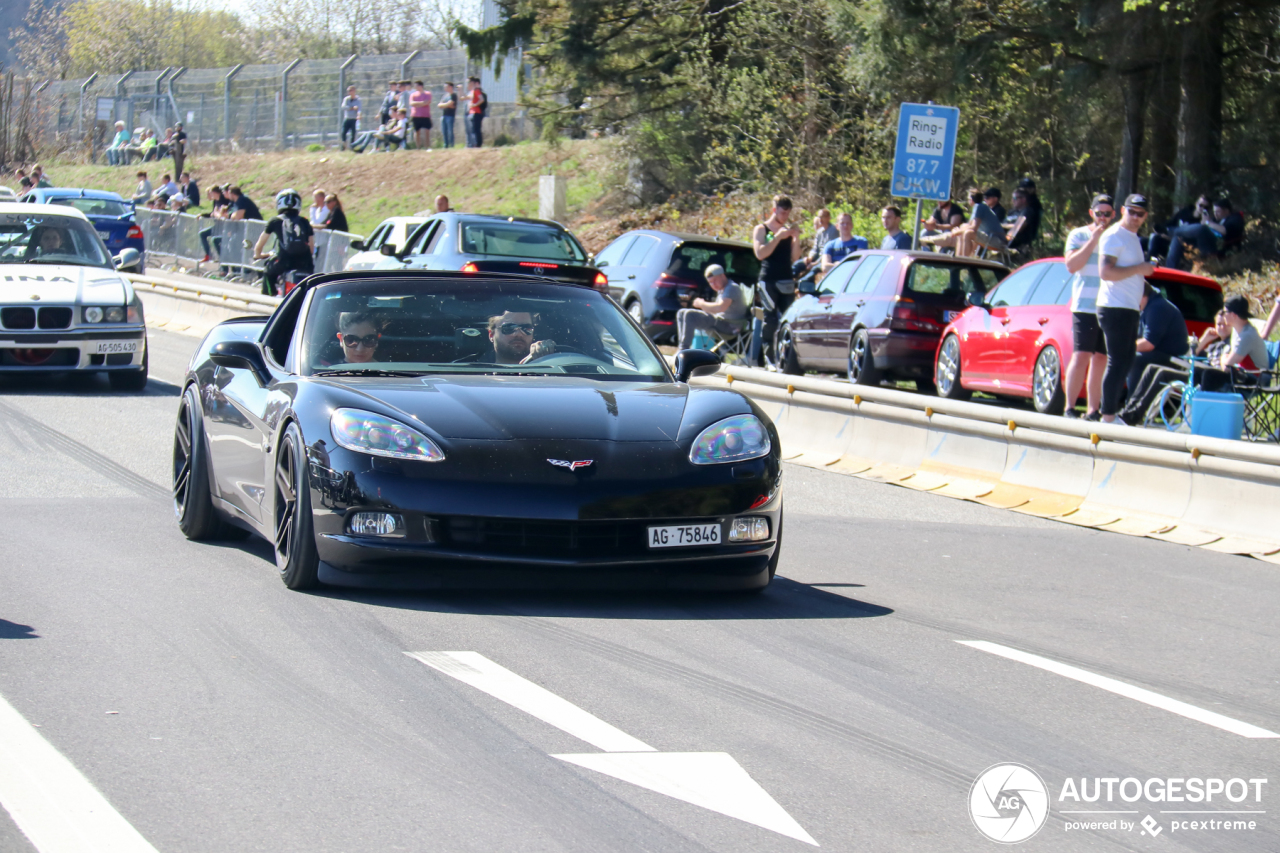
(368, 341)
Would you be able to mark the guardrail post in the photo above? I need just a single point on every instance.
(342, 90)
(80, 116)
(282, 115)
(226, 104)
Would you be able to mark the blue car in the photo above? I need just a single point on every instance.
(111, 215)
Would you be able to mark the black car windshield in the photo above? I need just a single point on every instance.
(520, 240)
(44, 239)
(96, 206)
(690, 259)
(473, 327)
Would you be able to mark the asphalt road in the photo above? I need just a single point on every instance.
(217, 711)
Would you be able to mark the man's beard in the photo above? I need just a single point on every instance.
(509, 353)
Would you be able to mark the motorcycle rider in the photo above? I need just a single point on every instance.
(295, 242)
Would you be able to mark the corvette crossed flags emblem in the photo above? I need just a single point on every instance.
(572, 466)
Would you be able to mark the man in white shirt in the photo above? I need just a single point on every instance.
(1089, 355)
(1123, 273)
(319, 212)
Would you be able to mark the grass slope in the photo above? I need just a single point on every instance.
(375, 186)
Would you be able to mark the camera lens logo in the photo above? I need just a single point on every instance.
(1008, 803)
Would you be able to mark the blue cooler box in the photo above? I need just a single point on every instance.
(1217, 415)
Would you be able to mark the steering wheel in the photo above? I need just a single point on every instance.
(559, 351)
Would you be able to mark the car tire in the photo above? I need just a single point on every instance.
(130, 380)
(294, 539)
(1046, 382)
(636, 309)
(788, 359)
(862, 364)
(192, 497)
(946, 371)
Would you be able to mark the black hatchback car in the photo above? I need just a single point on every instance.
(653, 274)
(878, 314)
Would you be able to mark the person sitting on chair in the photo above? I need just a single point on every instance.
(724, 315)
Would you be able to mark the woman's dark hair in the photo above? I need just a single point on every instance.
(347, 319)
(333, 197)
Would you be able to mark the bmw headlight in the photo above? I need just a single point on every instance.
(731, 440)
(379, 435)
(93, 314)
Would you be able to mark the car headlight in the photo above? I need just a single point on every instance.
(115, 315)
(379, 435)
(731, 440)
(93, 314)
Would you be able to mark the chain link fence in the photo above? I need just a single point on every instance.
(188, 239)
(266, 107)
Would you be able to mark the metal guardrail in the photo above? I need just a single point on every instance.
(230, 243)
(207, 294)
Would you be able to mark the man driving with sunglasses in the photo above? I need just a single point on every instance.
(512, 333)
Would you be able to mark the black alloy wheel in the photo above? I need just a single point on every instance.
(946, 373)
(862, 365)
(192, 500)
(295, 542)
(788, 358)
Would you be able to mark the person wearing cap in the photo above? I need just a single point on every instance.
(1248, 350)
(1123, 273)
(725, 315)
(1089, 353)
(991, 198)
(116, 150)
(1162, 334)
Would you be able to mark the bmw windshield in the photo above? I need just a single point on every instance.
(44, 239)
(394, 327)
(96, 206)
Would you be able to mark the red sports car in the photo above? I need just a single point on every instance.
(1017, 340)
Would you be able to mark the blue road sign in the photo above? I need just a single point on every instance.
(926, 151)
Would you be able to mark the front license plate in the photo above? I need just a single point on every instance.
(684, 535)
(102, 347)
(948, 316)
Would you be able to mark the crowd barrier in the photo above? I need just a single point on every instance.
(191, 308)
(1213, 493)
(177, 235)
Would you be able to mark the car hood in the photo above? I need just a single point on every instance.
(374, 261)
(543, 407)
(49, 283)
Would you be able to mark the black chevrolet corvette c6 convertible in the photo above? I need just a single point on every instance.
(432, 429)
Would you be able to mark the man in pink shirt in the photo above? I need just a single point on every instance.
(420, 112)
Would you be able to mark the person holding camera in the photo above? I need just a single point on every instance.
(777, 246)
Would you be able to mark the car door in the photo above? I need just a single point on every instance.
(1033, 324)
(993, 352)
(234, 403)
(419, 254)
(848, 307)
(809, 328)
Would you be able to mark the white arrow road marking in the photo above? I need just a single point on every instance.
(712, 780)
(501, 683)
(51, 801)
(1120, 688)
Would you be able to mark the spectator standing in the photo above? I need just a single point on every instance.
(116, 152)
(142, 192)
(1089, 351)
(242, 207)
(420, 112)
(389, 101)
(178, 148)
(991, 198)
(350, 117)
(39, 178)
(295, 243)
(477, 108)
(1123, 273)
(823, 233)
(190, 189)
(1162, 334)
(218, 209)
(844, 244)
(724, 315)
(318, 213)
(1223, 226)
(777, 247)
(337, 216)
(448, 113)
(895, 237)
(442, 204)
(406, 91)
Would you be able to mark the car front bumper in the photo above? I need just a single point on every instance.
(73, 349)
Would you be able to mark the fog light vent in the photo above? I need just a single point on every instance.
(749, 530)
(376, 524)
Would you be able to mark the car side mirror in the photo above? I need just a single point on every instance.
(388, 249)
(127, 259)
(975, 299)
(807, 286)
(241, 355)
(695, 362)
(356, 245)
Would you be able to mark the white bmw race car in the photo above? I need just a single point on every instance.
(63, 305)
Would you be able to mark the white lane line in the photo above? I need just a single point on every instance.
(1120, 688)
(51, 801)
(501, 683)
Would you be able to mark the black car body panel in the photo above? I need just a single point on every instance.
(495, 510)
